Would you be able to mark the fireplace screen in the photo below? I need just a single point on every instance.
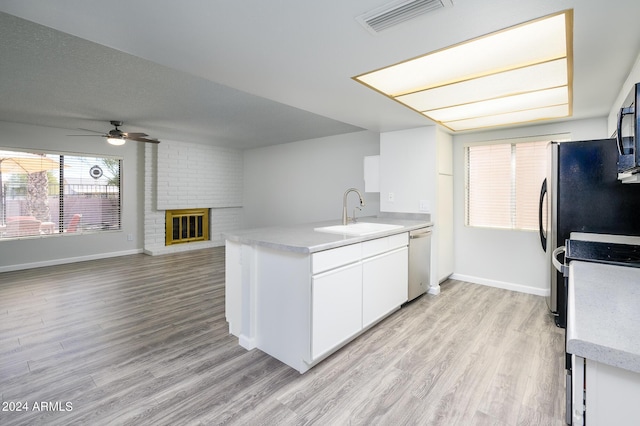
(185, 226)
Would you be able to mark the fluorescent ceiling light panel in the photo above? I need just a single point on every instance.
(507, 83)
(510, 118)
(527, 116)
(525, 101)
(531, 57)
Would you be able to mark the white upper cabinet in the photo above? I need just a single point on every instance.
(372, 173)
(445, 153)
(408, 170)
(416, 176)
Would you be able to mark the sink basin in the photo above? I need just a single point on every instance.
(358, 228)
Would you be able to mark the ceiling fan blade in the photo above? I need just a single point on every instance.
(140, 138)
(92, 131)
(118, 134)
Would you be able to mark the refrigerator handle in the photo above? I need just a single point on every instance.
(543, 237)
(621, 114)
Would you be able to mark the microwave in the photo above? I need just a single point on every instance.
(627, 132)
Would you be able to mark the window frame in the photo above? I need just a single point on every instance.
(62, 153)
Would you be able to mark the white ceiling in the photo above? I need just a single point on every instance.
(253, 72)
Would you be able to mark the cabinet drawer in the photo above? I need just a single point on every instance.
(329, 259)
(398, 240)
(384, 244)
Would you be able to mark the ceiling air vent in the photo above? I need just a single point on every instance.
(397, 12)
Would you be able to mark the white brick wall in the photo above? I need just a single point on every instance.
(182, 175)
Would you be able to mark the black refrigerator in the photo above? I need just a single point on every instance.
(582, 193)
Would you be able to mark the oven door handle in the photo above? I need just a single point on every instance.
(554, 259)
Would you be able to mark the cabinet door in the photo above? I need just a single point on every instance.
(336, 307)
(611, 396)
(384, 284)
(445, 227)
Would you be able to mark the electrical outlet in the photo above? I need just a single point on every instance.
(129, 237)
(424, 206)
(392, 197)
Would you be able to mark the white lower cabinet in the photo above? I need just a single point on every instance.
(299, 308)
(384, 284)
(604, 395)
(336, 312)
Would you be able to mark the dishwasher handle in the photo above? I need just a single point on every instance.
(419, 234)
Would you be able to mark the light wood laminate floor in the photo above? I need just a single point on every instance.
(143, 340)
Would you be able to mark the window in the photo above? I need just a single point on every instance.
(44, 194)
(503, 183)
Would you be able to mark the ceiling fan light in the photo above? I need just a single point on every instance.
(116, 141)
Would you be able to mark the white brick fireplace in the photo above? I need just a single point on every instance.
(181, 175)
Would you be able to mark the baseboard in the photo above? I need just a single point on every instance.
(435, 290)
(67, 260)
(247, 342)
(501, 284)
(178, 248)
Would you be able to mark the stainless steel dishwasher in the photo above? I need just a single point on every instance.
(419, 261)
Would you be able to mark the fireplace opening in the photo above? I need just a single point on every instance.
(186, 226)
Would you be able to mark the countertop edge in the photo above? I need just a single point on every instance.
(257, 236)
(603, 354)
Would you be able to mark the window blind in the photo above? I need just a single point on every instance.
(503, 184)
(530, 171)
(52, 194)
(489, 186)
(91, 190)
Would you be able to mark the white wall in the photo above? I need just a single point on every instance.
(304, 181)
(27, 253)
(504, 258)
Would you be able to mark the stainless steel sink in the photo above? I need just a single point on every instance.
(358, 228)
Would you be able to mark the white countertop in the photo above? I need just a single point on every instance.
(603, 322)
(303, 238)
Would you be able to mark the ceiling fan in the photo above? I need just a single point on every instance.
(118, 137)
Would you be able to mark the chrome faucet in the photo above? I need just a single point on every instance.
(345, 219)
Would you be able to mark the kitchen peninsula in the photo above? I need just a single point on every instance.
(299, 293)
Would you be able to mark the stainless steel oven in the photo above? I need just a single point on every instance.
(588, 247)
